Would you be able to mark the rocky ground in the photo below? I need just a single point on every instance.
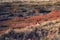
(26, 22)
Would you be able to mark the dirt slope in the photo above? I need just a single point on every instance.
(26, 21)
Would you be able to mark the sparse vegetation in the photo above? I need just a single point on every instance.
(35, 22)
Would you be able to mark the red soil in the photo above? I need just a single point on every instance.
(26, 21)
(21, 22)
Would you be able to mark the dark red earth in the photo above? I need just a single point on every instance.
(22, 22)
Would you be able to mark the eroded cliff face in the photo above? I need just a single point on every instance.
(24, 23)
